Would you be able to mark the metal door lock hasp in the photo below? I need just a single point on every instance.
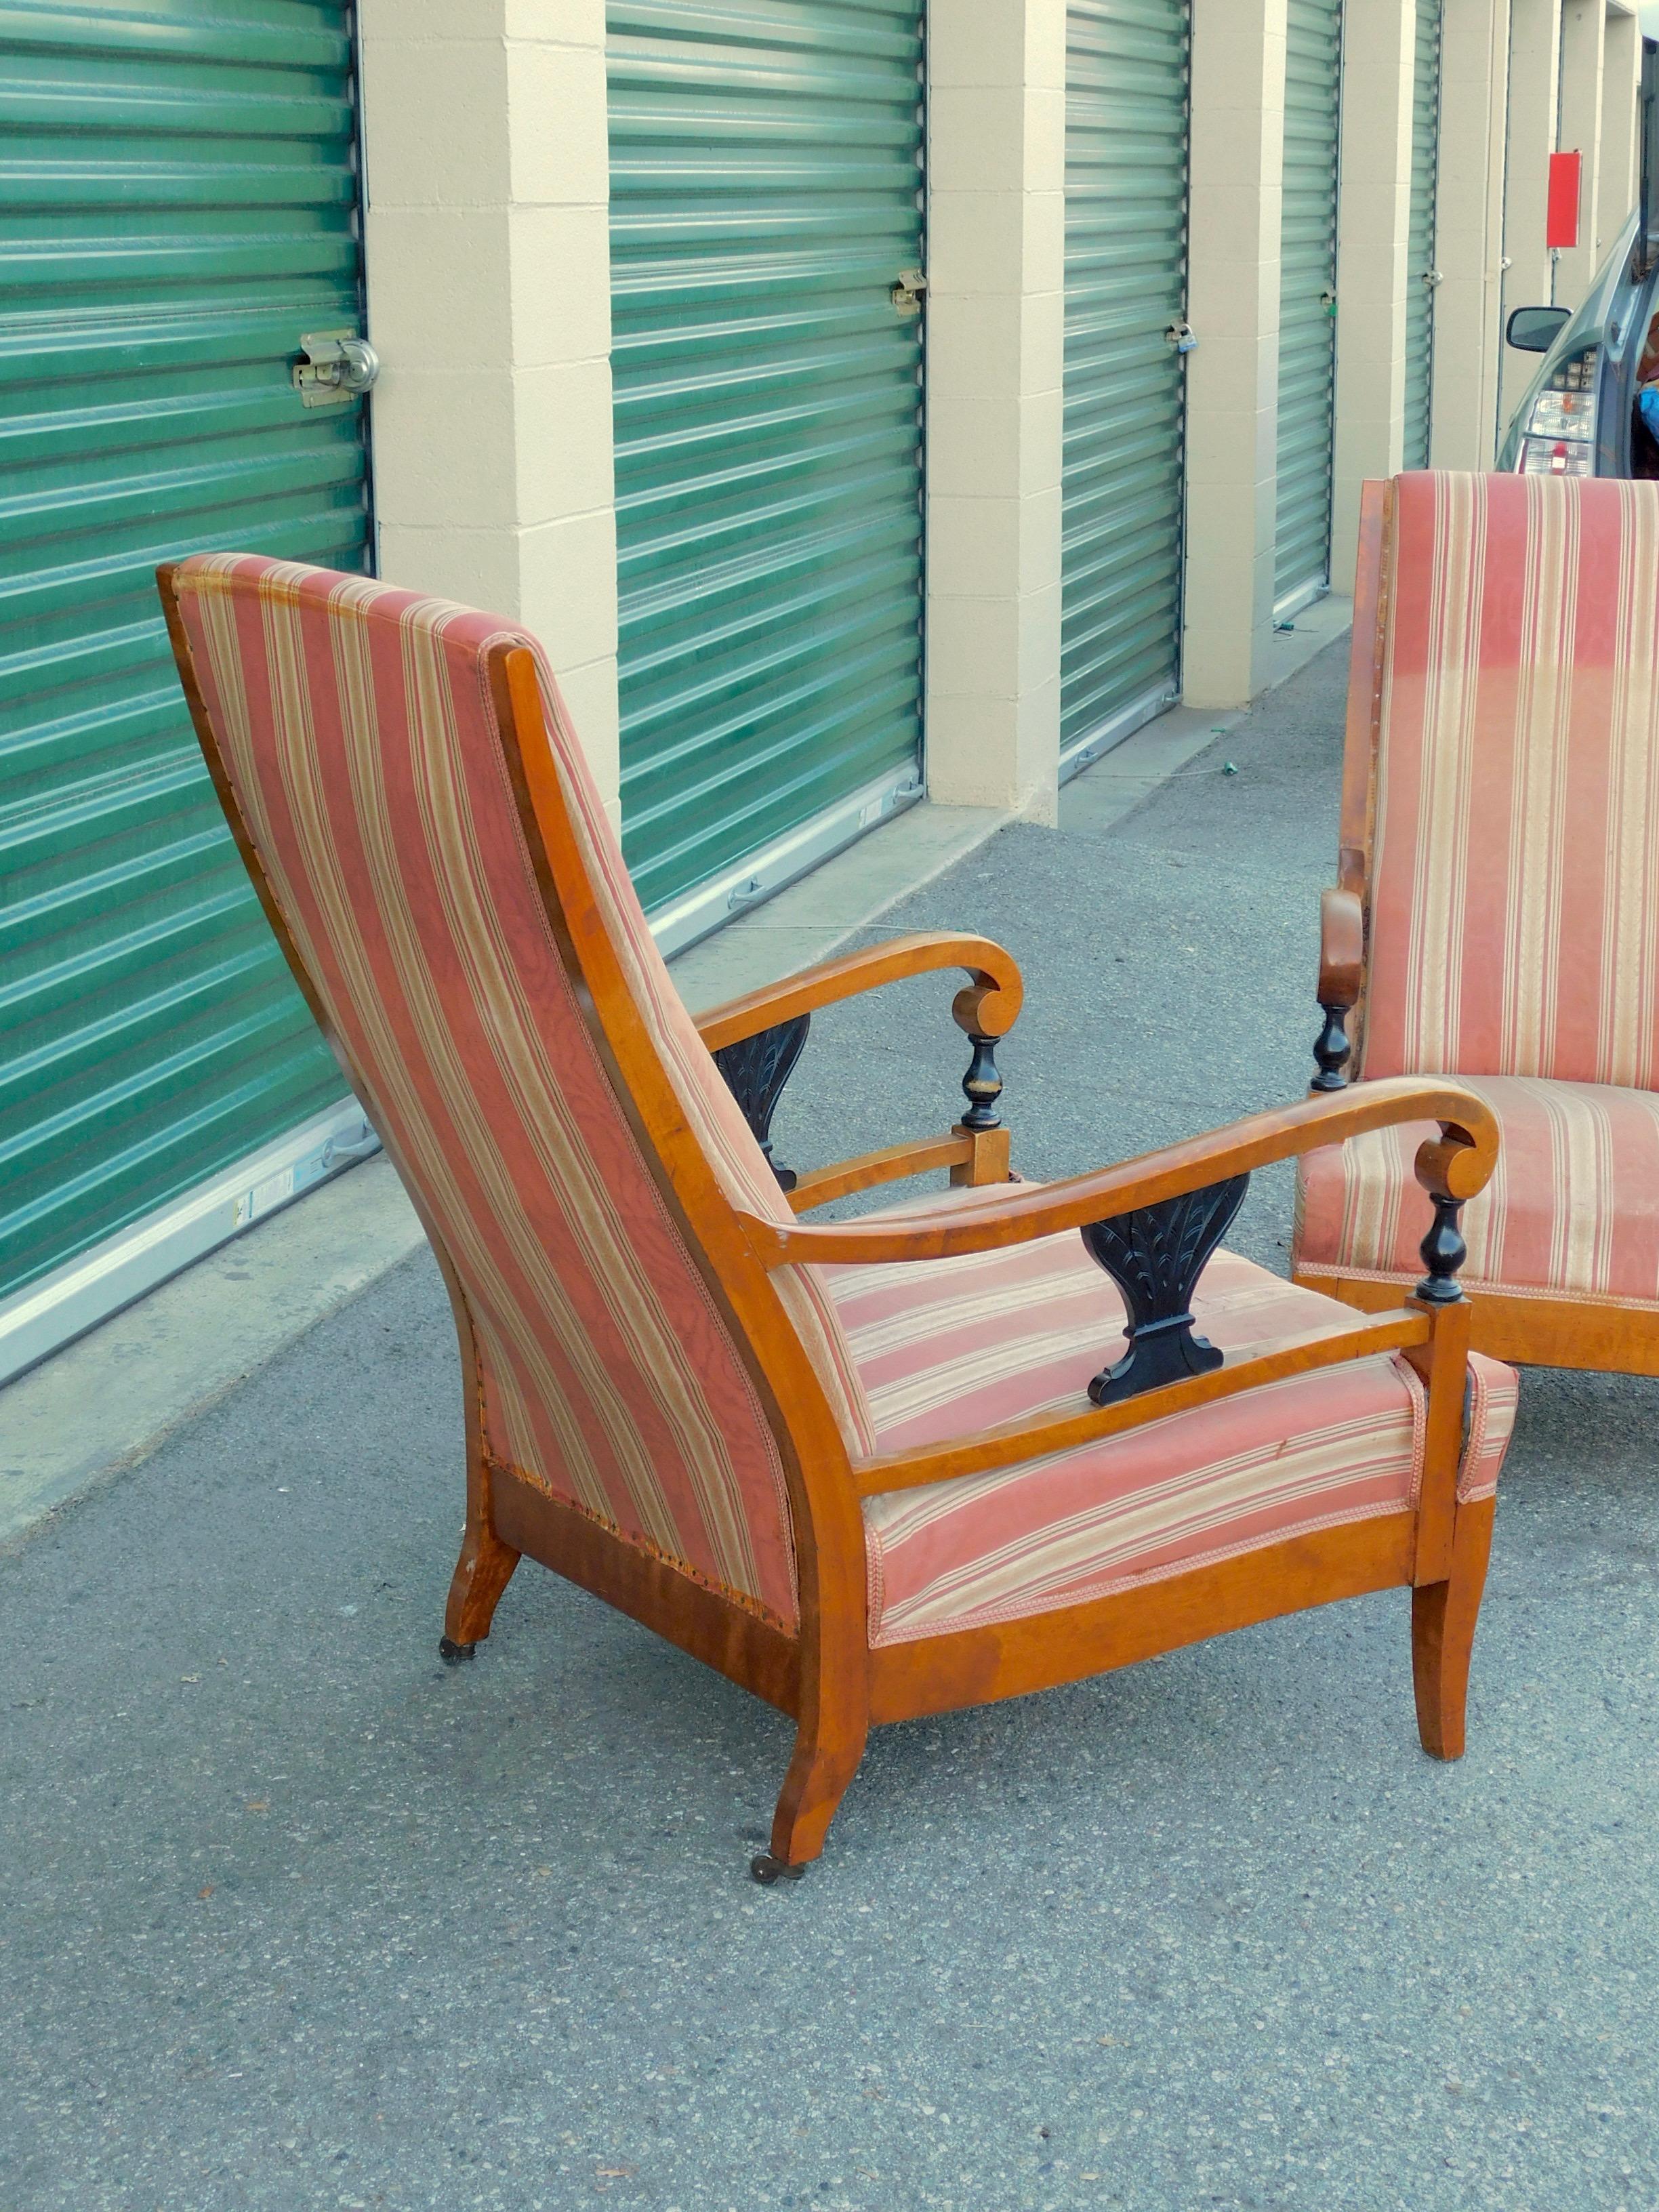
(907, 294)
(333, 367)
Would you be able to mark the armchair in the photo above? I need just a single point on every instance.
(968, 1447)
(1495, 920)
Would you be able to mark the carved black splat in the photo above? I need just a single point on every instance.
(1155, 1255)
(756, 1069)
(1444, 1253)
(1331, 1050)
(981, 1086)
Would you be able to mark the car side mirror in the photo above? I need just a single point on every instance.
(1535, 330)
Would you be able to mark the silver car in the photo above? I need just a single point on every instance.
(1580, 416)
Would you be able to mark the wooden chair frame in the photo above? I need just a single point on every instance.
(827, 1677)
(1529, 1328)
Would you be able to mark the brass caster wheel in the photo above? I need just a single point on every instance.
(766, 1869)
(451, 1654)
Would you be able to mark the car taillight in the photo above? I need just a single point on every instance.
(1560, 434)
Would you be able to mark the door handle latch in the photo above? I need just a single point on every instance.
(907, 294)
(333, 367)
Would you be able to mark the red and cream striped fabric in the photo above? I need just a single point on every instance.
(361, 740)
(1573, 1210)
(1515, 880)
(949, 1346)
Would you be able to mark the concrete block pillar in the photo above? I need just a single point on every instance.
(488, 253)
(1578, 129)
(1618, 177)
(995, 344)
(1469, 244)
(1534, 75)
(1232, 379)
(1373, 238)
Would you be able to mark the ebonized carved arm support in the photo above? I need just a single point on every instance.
(756, 1069)
(1155, 1255)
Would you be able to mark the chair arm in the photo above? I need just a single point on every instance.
(988, 1006)
(1342, 949)
(1451, 1170)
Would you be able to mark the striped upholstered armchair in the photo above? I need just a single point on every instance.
(1495, 916)
(945, 1453)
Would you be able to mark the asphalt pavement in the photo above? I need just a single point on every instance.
(290, 1917)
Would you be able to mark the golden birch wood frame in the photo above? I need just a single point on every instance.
(826, 1675)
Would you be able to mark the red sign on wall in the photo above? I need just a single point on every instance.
(1561, 220)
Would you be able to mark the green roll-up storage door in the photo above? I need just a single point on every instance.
(1126, 285)
(1421, 275)
(1307, 322)
(766, 196)
(180, 207)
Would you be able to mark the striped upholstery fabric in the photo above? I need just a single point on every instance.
(363, 747)
(1514, 897)
(1514, 923)
(1572, 1211)
(949, 1346)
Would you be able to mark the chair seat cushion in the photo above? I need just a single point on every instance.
(1572, 1211)
(948, 1347)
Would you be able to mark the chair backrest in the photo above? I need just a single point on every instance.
(355, 728)
(1514, 877)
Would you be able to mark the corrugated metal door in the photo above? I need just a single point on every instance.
(766, 195)
(1421, 274)
(179, 208)
(1307, 298)
(1126, 285)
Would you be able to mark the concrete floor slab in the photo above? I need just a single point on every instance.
(106, 1401)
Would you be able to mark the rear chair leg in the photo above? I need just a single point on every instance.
(823, 1763)
(482, 1573)
(485, 1566)
(1444, 1615)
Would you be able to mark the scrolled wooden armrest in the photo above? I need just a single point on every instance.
(1342, 949)
(1451, 1169)
(989, 1005)
(1341, 977)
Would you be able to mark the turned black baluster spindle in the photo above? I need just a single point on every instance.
(1331, 1050)
(1444, 1253)
(981, 1086)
